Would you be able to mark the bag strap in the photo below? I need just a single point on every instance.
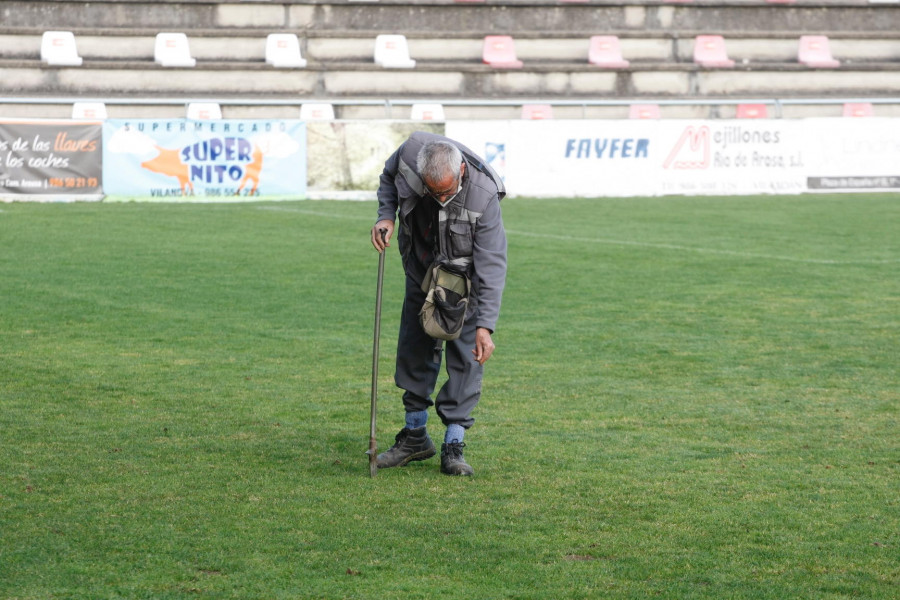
(487, 170)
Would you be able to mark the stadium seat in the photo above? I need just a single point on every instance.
(752, 111)
(815, 52)
(644, 111)
(88, 110)
(709, 51)
(204, 110)
(427, 112)
(316, 111)
(58, 48)
(858, 109)
(392, 52)
(604, 51)
(537, 111)
(283, 51)
(500, 51)
(172, 50)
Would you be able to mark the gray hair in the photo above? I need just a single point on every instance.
(437, 159)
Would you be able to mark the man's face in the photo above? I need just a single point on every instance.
(447, 188)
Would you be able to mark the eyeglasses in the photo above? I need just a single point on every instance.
(448, 194)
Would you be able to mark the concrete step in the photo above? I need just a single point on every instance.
(435, 16)
(461, 80)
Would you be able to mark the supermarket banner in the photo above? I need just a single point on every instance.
(50, 160)
(641, 157)
(204, 160)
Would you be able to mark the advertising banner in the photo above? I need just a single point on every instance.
(641, 157)
(853, 154)
(222, 160)
(50, 160)
(590, 158)
(747, 156)
(204, 160)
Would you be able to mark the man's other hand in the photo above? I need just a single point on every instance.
(484, 345)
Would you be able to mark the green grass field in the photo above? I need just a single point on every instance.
(690, 398)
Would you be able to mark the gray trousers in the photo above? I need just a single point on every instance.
(419, 362)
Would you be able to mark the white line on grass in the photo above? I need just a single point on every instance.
(314, 213)
(570, 238)
(818, 261)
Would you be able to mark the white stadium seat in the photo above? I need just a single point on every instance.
(173, 50)
(283, 51)
(316, 111)
(204, 110)
(58, 48)
(88, 110)
(392, 52)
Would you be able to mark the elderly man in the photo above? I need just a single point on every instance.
(448, 204)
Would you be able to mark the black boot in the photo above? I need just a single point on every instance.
(409, 445)
(452, 461)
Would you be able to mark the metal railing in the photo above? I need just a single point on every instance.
(390, 103)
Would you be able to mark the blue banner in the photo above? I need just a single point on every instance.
(204, 160)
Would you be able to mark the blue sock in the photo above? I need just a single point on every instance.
(455, 433)
(416, 419)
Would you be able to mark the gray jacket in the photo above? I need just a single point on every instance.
(471, 233)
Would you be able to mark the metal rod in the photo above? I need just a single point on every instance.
(373, 443)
